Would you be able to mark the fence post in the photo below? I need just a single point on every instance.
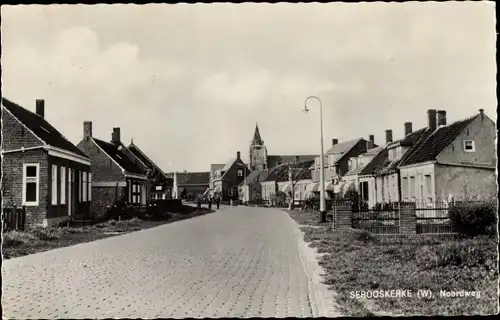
(342, 215)
(407, 218)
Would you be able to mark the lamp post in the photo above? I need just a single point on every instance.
(322, 209)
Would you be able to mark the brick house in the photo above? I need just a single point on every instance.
(455, 161)
(160, 186)
(189, 184)
(118, 175)
(336, 164)
(42, 170)
(228, 179)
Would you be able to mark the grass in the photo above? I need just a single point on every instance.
(39, 239)
(356, 260)
(307, 217)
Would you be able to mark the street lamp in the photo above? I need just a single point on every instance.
(322, 210)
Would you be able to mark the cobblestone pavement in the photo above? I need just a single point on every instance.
(237, 262)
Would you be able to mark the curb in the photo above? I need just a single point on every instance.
(322, 300)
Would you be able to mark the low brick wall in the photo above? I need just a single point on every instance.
(342, 216)
(407, 219)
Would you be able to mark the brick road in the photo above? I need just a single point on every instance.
(238, 262)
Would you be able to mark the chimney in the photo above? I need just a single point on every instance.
(370, 143)
(115, 136)
(431, 119)
(40, 107)
(238, 154)
(388, 135)
(481, 111)
(408, 128)
(87, 129)
(441, 118)
(335, 141)
(372, 138)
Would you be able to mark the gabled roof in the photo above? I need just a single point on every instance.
(289, 158)
(134, 149)
(228, 166)
(343, 147)
(377, 164)
(41, 128)
(436, 142)
(119, 157)
(186, 178)
(371, 152)
(280, 173)
(255, 176)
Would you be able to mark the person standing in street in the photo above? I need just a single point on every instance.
(210, 202)
(217, 201)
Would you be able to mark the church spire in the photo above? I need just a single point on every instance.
(257, 140)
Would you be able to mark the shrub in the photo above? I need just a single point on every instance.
(280, 199)
(474, 218)
(313, 204)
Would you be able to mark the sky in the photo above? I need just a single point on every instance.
(189, 82)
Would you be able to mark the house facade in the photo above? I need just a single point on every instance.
(291, 179)
(352, 178)
(41, 169)
(159, 185)
(228, 179)
(250, 189)
(214, 168)
(117, 174)
(336, 163)
(454, 162)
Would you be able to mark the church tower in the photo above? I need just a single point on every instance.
(258, 152)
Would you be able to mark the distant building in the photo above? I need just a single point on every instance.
(189, 184)
(261, 160)
(41, 169)
(227, 179)
(336, 163)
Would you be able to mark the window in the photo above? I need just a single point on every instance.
(90, 186)
(54, 185)
(405, 188)
(84, 186)
(63, 185)
(469, 146)
(428, 187)
(135, 193)
(30, 184)
(412, 188)
(240, 172)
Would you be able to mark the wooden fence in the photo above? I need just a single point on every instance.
(14, 218)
